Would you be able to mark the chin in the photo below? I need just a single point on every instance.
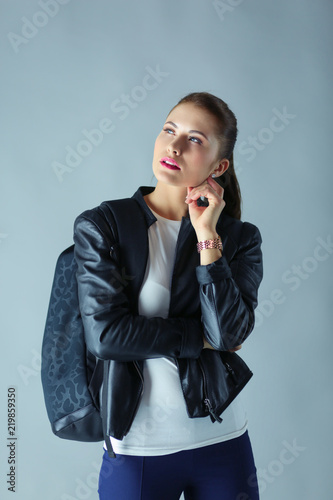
(168, 177)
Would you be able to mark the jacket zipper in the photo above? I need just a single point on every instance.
(207, 401)
(231, 372)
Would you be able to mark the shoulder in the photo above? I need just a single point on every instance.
(106, 212)
(93, 217)
(237, 228)
(113, 218)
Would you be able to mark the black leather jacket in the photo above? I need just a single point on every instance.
(216, 300)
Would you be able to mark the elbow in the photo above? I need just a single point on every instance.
(232, 333)
(99, 350)
(241, 331)
(105, 352)
(97, 342)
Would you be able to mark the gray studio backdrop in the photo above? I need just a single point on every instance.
(85, 89)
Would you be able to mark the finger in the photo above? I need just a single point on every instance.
(201, 190)
(208, 192)
(211, 184)
(188, 198)
(235, 348)
(216, 186)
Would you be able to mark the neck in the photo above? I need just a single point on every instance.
(168, 201)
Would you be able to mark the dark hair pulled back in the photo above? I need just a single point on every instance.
(227, 135)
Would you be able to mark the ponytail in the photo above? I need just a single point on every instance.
(232, 194)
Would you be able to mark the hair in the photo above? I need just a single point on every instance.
(227, 135)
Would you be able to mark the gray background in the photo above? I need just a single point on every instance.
(64, 76)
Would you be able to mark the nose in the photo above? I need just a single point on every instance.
(174, 147)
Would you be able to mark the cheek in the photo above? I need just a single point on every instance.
(158, 143)
(156, 147)
(201, 159)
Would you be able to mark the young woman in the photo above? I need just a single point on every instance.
(168, 335)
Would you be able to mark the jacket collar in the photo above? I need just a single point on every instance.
(187, 237)
(138, 196)
(223, 221)
(149, 216)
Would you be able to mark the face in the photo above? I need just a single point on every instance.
(186, 150)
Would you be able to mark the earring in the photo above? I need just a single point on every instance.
(213, 175)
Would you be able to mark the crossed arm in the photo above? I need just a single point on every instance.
(228, 295)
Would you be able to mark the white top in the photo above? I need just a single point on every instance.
(161, 425)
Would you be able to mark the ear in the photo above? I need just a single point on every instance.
(222, 166)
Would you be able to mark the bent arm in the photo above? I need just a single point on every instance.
(229, 291)
(111, 330)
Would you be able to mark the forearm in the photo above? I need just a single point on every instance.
(129, 337)
(208, 255)
(228, 292)
(228, 317)
(112, 330)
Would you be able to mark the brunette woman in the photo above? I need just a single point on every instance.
(173, 425)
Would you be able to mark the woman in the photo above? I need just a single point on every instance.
(166, 342)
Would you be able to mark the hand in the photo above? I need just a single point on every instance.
(235, 348)
(207, 345)
(204, 219)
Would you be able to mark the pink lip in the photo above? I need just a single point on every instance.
(174, 165)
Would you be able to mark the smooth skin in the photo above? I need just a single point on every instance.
(188, 137)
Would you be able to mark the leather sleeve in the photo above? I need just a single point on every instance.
(111, 330)
(229, 291)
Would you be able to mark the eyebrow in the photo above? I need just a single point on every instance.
(190, 131)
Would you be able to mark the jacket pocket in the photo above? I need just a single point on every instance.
(225, 375)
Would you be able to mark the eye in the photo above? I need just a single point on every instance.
(195, 140)
(168, 130)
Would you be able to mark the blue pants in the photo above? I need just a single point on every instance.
(223, 471)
